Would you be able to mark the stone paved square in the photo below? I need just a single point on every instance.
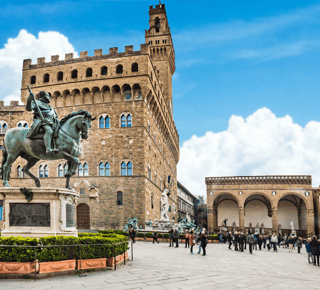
(156, 266)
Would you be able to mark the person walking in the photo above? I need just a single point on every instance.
(229, 240)
(171, 237)
(274, 242)
(155, 237)
(242, 241)
(290, 243)
(191, 241)
(198, 242)
(176, 238)
(236, 241)
(132, 234)
(187, 239)
(299, 244)
(309, 250)
(260, 241)
(268, 242)
(315, 249)
(250, 241)
(203, 239)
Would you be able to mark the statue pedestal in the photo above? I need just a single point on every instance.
(50, 212)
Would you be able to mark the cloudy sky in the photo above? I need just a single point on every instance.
(246, 91)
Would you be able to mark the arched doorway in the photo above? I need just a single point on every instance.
(293, 208)
(257, 210)
(225, 206)
(83, 216)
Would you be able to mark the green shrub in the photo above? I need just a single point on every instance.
(87, 244)
(182, 236)
(17, 254)
(166, 236)
(140, 235)
(80, 235)
(210, 237)
(215, 237)
(149, 235)
(160, 236)
(118, 232)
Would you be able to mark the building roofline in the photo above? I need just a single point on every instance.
(184, 188)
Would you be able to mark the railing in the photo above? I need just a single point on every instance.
(75, 256)
(263, 179)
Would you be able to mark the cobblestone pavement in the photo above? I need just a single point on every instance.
(156, 266)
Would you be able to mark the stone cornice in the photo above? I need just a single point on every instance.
(265, 179)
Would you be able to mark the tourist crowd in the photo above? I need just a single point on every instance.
(240, 241)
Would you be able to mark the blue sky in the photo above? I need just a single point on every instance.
(233, 58)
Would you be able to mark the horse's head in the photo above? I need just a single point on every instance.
(84, 125)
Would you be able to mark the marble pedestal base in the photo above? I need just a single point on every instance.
(50, 212)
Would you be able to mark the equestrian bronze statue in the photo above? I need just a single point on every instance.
(47, 139)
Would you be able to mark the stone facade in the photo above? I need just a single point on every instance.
(114, 86)
(186, 201)
(273, 201)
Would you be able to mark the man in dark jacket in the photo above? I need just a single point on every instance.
(171, 237)
(230, 240)
(176, 237)
(236, 241)
(203, 239)
(155, 237)
(260, 241)
(315, 249)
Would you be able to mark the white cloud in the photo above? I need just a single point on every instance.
(25, 46)
(261, 144)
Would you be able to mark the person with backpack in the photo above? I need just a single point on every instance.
(315, 250)
(204, 241)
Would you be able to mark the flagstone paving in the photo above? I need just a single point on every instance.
(156, 266)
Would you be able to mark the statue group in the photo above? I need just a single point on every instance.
(48, 139)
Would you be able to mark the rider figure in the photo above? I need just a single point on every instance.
(49, 120)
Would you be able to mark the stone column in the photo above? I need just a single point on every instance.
(299, 218)
(275, 220)
(310, 222)
(215, 218)
(241, 218)
(210, 218)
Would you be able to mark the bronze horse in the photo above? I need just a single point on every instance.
(68, 143)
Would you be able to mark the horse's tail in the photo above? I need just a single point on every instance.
(4, 158)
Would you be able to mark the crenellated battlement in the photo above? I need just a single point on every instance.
(98, 54)
(160, 8)
(14, 105)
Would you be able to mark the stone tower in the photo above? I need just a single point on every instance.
(158, 36)
(133, 145)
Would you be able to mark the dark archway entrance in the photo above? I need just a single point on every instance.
(83, 216)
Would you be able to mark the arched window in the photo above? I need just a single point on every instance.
(107, 168)
(135, 67)
(41, 172)
(129, 169)
(123, 121)
(155, 178)
(101, 122)
(149, 172)
(129, 121)
(46, 171)
(25, 125)
(101, 169)
(20, 125)
(157, 24)
(119, 198)
(104, 71)
(80, 170)
(151, 200)
(60, 171)
(123, 169)
(119, 69)
(74, 74)
(20, 172)
(46, 78)
(65, 169)
(86, 170)
(148, 126)
(33, 80)
(89, 72)
(107, 122)
(60, 76)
